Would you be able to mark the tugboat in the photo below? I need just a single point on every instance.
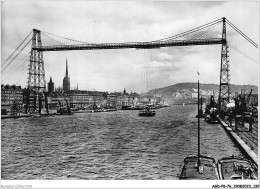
(146, 112)
(199, 167)
(126, 107)
(234, 168)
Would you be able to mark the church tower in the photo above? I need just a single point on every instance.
(50, 86)
(66, 80)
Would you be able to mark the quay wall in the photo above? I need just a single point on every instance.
(240, 142)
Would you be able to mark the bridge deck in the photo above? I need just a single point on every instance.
(137, 45)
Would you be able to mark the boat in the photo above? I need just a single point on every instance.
(137, 108)
(235, 168)
(199, 167)
(146, 112)
(36, 115)
(211, 111)
(102, 110)
(207, 169)
(126, 107)
(97, 110)
(211, 117)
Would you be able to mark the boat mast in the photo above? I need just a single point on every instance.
(198, 125)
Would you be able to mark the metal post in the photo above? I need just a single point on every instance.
(198, 127)
(250, 124)
(32, 66)
(41, 83)
(236, 122)
(46, 101)
(34, 100)
(40, 102)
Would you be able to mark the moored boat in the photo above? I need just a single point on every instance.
(207, 169)
(211, 116)
(234, 168)
(126, 107)
(211, 111)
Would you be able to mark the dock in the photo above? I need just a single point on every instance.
(246, 140)
(32, 115)
(15, 116)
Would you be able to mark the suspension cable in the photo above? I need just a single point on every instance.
(15, 68)
(64, 37)
(241, 33)
(244, 54)
(52, 40)
(15, 56)
(208, 32)
(191, 31)
(16, 49)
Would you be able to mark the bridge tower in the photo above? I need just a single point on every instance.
(36, 80)
(224, 70)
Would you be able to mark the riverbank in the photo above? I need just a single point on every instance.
(15, 116)
(54, 114)
(30, 115)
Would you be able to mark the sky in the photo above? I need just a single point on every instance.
(127, 21)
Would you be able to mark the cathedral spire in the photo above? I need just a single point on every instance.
(66, 68)
(66, 79)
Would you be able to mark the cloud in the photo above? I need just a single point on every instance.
(108, 21)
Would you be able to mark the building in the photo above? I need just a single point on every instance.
(66, 80)
(112, 100)
(11, 99)
(50, 86)
(89, 99)
(118, 98)
(253, 100)
(57, 101)
(33, 101)
(125, 98)
(80, 99)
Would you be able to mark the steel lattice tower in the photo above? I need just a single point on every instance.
(224, 70)
(36, 80)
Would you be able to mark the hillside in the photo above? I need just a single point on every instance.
(187, 92)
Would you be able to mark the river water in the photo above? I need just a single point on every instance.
(108, 145)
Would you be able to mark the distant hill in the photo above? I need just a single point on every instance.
(187, 92)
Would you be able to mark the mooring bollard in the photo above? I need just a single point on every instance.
(250, 124)
(249, 119)
(230, 121)
(237, 118)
